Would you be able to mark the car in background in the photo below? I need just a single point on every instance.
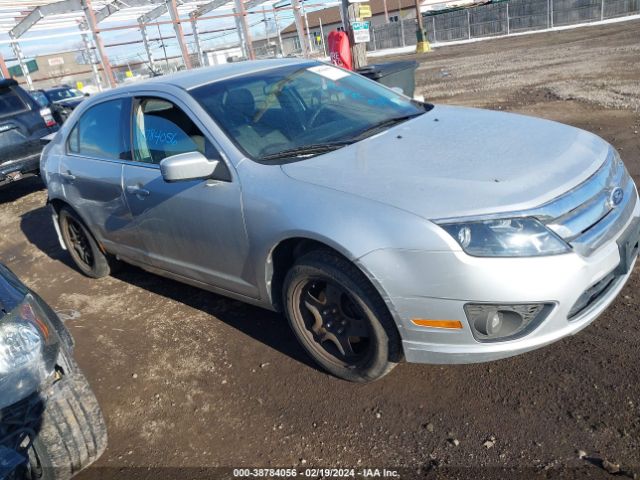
(383, 227)
(51, 425)
(61, 100)
(23, 122)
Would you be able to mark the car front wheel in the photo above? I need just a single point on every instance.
(339, 318)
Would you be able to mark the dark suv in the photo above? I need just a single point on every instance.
(22, 124)
(61, 100)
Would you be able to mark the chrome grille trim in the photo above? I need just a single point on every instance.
(610, 226)
(575, 222)
(594, 221)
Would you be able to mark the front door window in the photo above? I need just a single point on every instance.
(161, 130)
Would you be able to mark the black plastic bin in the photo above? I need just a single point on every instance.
(393, 74)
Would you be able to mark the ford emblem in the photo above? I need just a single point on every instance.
(616, 196)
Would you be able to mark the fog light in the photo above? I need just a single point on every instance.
(490, 322)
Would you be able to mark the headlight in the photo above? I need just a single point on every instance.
(20, 346)
(23, 334)
(511, 237)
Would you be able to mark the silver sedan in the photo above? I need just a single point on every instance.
(384, 228)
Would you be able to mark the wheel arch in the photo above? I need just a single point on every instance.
(57, 204)
(283, 255)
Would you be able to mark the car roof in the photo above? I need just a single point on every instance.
(189, 79)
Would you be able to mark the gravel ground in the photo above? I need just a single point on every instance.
(190, 379)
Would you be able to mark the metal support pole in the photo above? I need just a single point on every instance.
(306, 22)
(422, 43)
(358, 50)
(23, 66)
(275, 19)
(298, 19)
(551, 4)
(245, 28)
(243, 45)
(266, 30)
(172, 6)
(401, 23)
(92, 59)
(386, 11)
(469, 23)
(433, 18)
(324, 47)
(601, 9)
(3, 68)
(104, 59)
(508, 26)
(196, 39)
(373, 37)
(147, 48)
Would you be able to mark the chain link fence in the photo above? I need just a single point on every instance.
(500, 18)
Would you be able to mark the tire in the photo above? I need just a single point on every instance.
(339, 318)
(72, 434)
(83, 248)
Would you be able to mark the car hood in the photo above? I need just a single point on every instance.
(455, 161)
(12, 291)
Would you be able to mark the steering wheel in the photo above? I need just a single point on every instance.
(316, 114)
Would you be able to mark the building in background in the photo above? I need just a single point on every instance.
(56, 69)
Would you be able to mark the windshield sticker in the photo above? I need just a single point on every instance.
(327, 71)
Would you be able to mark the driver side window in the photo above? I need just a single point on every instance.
(161, 129)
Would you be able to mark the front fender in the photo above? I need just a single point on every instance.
(277, 207)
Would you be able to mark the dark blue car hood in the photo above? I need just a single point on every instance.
(12, 291)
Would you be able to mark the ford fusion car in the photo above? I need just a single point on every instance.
(384, 228)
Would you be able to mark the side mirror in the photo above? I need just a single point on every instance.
(187, 166)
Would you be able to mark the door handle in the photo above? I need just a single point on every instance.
(68, 176)
(135, 190)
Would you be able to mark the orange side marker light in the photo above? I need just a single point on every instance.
(448, 324)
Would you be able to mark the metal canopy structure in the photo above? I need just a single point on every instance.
(21, 17)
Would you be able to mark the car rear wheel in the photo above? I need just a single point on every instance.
(82, 247)
(339, 318)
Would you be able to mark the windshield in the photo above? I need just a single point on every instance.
(63, 94)
(301, 110)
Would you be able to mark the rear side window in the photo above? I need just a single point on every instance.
(10, 102)
(40, 97)
(98, 133)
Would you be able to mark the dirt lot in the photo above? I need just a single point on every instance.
(190, 379)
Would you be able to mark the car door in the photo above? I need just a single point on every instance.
(193, 228)
(90, 173)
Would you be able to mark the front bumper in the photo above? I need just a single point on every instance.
(451, 279)
(14, 170)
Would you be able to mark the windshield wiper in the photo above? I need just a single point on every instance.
(306, 150)
(389, 122)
